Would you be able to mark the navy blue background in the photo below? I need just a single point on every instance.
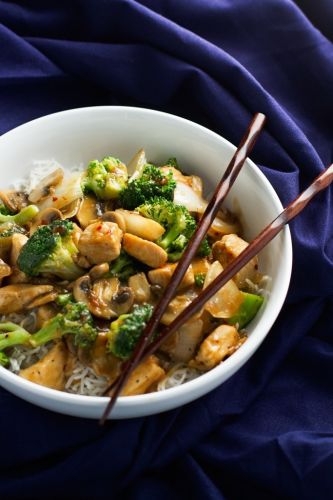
(268, 431)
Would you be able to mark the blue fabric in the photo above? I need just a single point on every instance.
(268, 431)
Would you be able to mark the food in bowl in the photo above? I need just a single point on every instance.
(86, 255)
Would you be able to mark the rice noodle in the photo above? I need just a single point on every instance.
(85, 381)
(178, 375)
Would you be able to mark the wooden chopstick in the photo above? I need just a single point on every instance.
(222, 189)
(293, 209)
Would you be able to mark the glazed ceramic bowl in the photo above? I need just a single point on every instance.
(74, 137)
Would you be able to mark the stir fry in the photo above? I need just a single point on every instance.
(84, 258)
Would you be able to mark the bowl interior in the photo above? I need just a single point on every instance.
(77, 136)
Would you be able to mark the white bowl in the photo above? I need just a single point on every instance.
(77, 136)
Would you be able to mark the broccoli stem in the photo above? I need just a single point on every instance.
(15, 335)
(4, 359)
(50, 331)
(23, 217)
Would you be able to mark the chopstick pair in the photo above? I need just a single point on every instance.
(223, 188)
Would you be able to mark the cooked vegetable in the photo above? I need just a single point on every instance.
(106, 178)
(22, 218)
(124, 266)
(4, 359)
(247, 310)
(199, 279)
(150, 184)
(51, 250)
(75, 320)
(179, 226)
(126, 330)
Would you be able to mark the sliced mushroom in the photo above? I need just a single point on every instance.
(122, 300)
(87, 212)
(46, 186)
(140, 226)
(14, 200)
(15, 298)
(221, 343)
(116, 217)
(143, 376)
(45, 217)
(162, 276)
(101, 242)
(145, 251)
(105, 298)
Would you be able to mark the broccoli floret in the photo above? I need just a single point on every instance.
(75, 320)
(22, 218)
(124, 266)
(5, 210)
(51, 250)
(150, 184)
(172, 162)
(126, 330)
(179, 226)
(199, 279)
(106, 178)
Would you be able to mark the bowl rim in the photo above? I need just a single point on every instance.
(223, 370)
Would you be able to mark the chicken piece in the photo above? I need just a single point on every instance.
(140, 226)
(162, 276)
(177, 305)
(145, 251)
(222, 342)
(140, 288)
(182, 344)
(50, 370)
(15, 298)
(227, 249)
(104, 364)
(101, 242)
(143, 376)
